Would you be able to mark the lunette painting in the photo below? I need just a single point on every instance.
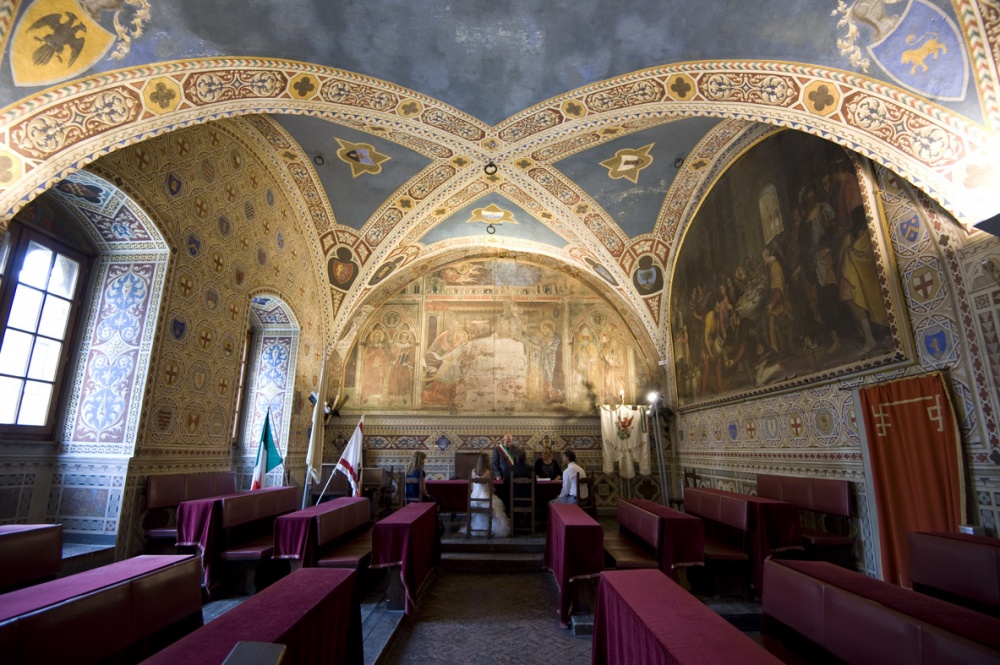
(779, 281)
(494, 336)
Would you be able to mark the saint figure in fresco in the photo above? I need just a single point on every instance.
(443, 362)
(373, 370)
(612, 363)
(401, 367)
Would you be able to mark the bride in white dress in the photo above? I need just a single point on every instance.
(501, 523)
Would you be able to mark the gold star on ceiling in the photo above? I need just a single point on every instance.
(361, 157)
(628, 162)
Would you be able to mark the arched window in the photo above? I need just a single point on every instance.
(41, 281)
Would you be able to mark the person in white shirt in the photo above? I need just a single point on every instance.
(572, 489)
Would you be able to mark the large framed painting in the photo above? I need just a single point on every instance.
(783, 277)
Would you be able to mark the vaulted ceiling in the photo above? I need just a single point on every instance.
(579, 132)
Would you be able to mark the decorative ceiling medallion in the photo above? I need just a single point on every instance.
(492, 214)
(10, 167)
(361, 157)
(460, 161)
(404, 203)
(821, 97)
(409, 108)
(627, 163)
(303, 86)
(524, 163)
(55, 41)
(611, 131)
(574, 109)
(680, 87)
(161, 95)
(492, 144)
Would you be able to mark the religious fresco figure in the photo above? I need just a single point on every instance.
(612, 354)
(400, 387)
(374, 367)
(586, 359)
(444, 366)
(548, 346)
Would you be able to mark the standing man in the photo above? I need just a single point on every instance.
(572, 489)
(503, 457)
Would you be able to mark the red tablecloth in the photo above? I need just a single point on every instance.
(29, 553)
(42, 595)
(296, 534)
(313, 611)
(409, 539)
(641, 616)
(198, 525)
(683, 537)
(774, 527)
(574, 550)
(453, 495)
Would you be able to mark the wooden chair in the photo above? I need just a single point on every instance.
(480, 506)
(589, 504)
(411, 496)
(465, 464)
(522, 503)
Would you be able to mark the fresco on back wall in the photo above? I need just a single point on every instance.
(494, 336)
(780, 280)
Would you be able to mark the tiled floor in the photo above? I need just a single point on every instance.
(479, 619)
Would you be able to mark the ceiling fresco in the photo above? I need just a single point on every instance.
(601, 121)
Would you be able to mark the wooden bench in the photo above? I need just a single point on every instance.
(642, 616)
(121, 612)
(683, 539)
(165, 492)
(315, 613)
(817, 609)
(29, 553)
(638, 541)
(334, 534)
(758, 526)
(247, 526)
(957, 567)
(824, 502)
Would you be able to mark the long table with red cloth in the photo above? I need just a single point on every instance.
(296, 535)
(642, 616)
(107, 608)
(683, 537)
(29, 553)
(774, 527)
(452, 496)
(199, 524)
(574, 550)
(408, 539)
(314, 612)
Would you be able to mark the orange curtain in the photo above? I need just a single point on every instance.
(915, 457)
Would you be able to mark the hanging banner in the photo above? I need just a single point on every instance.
(625, 439)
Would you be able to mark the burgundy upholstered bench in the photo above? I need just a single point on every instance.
(29, 553)
(121, 612)
(247, 523)
(818, 608)
(683, 539)
(957, 567)
(638, 540)
(830, 501)
(164, 493)
(335, 534)
(726, 521)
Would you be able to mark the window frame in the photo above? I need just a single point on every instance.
(16, 243)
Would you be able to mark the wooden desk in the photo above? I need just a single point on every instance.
(297, 535)
(642, 616)
(314, 612)
(574, 550)
(407, 539)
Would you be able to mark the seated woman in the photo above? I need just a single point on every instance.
(501, 523)
(417, 491)
(546, 466)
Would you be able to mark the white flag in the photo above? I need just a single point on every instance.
(350, 461)
(314, 458)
